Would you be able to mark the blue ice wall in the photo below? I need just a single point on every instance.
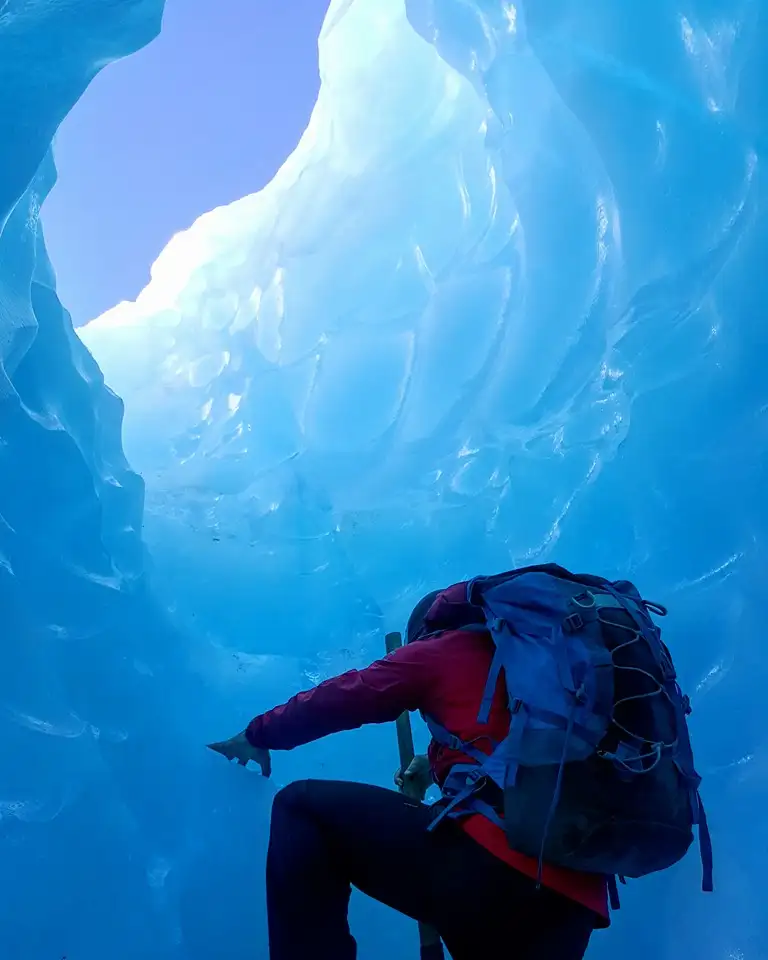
(92, 821)
(504, 302)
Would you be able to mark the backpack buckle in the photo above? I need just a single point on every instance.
(573, 623)
(476, 778)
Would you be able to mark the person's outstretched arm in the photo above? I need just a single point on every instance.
(377, 694)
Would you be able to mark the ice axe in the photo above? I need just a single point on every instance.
(431, 945)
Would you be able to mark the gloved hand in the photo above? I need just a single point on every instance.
(238, 748)
(416, 779)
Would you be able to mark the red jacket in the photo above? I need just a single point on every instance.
(445, 677)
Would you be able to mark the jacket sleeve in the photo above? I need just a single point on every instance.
(377, 694)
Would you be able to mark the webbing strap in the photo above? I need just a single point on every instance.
(490, 687)
(502, 764)
(472, 776)
(564, 670)
(563, 723)
(447, 739)
(705, 847)
(613, 893)
(480, 806)
(556, 793)
(512, 746)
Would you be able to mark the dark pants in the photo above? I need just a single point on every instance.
(327, 835)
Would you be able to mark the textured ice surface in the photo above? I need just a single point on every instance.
(422, 304)
(505, 301)
(88, 807)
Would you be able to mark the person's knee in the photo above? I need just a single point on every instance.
(326, 802)
(293, 814)
(292, 797)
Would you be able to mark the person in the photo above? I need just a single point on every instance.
(484, 899)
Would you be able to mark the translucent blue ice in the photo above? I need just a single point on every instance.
(504, 302)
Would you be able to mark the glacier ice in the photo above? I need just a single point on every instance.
(306, 395)
(503, 302)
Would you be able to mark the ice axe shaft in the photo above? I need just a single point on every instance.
(431, 945)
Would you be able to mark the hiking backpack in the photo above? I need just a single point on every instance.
(596, 773)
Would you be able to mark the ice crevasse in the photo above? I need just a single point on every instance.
(504, 302)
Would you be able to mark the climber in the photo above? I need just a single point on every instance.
(458, 873)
